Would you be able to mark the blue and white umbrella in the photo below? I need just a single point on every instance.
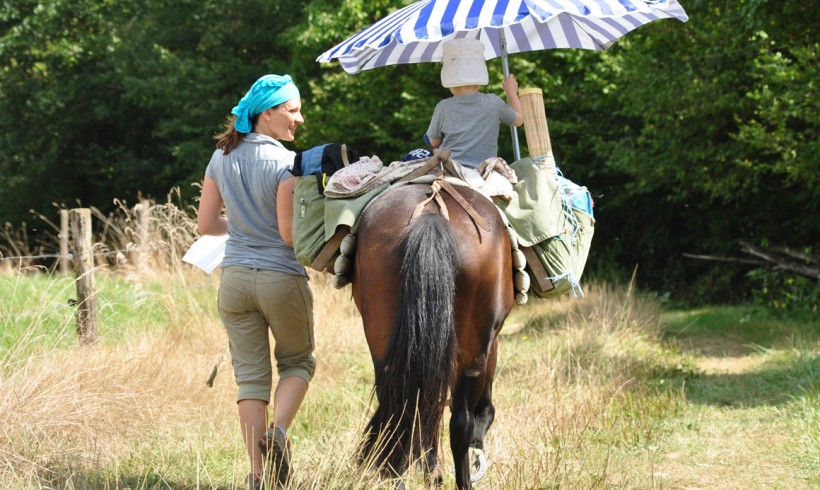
(415, 33)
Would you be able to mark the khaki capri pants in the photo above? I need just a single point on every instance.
(252, 301)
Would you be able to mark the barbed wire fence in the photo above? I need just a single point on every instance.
(140, 240)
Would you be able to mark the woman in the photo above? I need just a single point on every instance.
(263, 287)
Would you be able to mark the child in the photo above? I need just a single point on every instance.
(467, 124)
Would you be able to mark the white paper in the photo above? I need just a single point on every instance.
(207, 252)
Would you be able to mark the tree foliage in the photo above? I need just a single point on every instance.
(692, 137)
(720, 131)
(103, 99)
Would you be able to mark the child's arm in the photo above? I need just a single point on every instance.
(434, 129)
(510, 86)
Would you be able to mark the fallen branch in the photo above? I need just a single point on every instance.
(775, 258)
(783, 259)
(724, 259)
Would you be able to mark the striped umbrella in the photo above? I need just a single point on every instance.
(415, 33)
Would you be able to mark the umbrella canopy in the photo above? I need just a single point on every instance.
(415, 33)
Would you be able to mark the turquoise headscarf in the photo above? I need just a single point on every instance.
(268, 91)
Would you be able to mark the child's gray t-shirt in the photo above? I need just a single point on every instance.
(468, 126)
(248, 179)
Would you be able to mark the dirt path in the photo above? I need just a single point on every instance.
(735, 432)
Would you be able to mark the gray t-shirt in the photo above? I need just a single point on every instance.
(468, 126)
(248, 178)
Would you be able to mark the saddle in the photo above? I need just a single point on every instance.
(443, 176)
(550, 235)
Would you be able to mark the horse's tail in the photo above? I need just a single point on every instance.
(413, 383)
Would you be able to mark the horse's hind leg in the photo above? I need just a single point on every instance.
(462, 426)
(472, 413)
(483, 416)
(484, 412)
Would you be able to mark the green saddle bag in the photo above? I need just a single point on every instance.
(557, 234)
(308, 219)
(564, 256)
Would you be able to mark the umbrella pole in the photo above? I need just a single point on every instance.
(505, 68)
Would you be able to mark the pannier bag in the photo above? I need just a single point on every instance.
(553, 218)
(311, 169)
(564, 255)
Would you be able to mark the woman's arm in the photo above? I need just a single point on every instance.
(284, 209)
(209, 219)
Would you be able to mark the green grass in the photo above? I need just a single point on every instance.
(805, 411)
(780, 359)
(753, 401)
(35, 308)
(40, 311)
(740, 327)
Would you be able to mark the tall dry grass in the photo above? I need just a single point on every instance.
(573, 390)
(141, 238)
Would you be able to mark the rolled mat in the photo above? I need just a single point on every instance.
(535, 123)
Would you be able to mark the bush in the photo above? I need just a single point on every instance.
(786, 295)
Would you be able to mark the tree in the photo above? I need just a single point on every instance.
(691, 137)
(714, 139)
(102, 100)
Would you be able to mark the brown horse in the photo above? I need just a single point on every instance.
(433, 293)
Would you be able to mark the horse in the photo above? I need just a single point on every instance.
(432, 279)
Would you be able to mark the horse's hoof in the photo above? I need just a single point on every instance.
(478, 464)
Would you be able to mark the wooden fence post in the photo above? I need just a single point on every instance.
(65, 262)
(80, 224)
(144, 212)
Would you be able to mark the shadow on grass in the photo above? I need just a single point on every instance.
(732, 331)
(747, 358)
(773, 383)
(87, 481)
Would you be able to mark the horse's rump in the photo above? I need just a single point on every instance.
(432, 294)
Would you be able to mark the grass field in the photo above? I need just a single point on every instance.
(610, 391)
